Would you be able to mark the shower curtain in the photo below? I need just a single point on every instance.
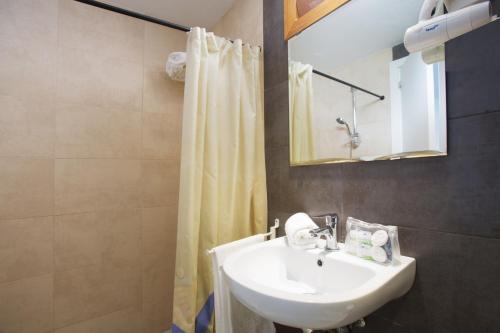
(302, 146)
(222, 186)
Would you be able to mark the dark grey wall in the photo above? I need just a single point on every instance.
(447, 208)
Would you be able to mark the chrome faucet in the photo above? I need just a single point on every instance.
(328, 232)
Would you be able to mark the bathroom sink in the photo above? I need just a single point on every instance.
(313, 289)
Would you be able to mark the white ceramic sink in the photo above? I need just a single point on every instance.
(288, 286)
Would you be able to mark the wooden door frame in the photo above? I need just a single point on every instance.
(295, 24)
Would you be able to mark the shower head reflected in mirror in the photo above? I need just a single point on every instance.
(341, 121)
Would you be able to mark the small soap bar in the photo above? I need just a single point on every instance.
(379, 238)
(378, 254)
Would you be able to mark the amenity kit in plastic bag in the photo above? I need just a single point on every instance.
(372, 241)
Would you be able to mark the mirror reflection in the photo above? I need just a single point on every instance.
(356, 94)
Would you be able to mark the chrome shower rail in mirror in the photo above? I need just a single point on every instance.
(356, 94)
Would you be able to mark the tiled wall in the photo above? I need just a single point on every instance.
(89, 164)
(242, 21)
(447, 208)
(333, 100)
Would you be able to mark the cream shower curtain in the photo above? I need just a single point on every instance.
(302, 145)
(222, 187)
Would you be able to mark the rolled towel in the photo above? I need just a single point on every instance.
(176, 66)
(297, 229)
(379, 238)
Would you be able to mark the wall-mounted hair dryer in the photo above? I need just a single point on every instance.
(431, 31)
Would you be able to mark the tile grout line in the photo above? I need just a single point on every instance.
(141, 249)
(449, 233)
(482, 113)
(54, 143)
(2, 220)
(97, 317)
(49, 158)
(37, 276)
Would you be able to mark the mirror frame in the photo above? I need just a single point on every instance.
(293, 24)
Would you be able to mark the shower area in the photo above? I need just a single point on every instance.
(90, 142)
(336, 120)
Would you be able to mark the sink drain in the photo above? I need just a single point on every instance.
(320, 262)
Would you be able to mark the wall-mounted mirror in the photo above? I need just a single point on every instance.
(356, 94)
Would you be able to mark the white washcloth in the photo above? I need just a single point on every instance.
(230, 315)
(297, 229)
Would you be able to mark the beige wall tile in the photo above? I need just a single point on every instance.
(159, 230)
(160, 183)
(27, 22)
(86, 131)
(83, 97)
(229, 24)
(243, 21)
(26, 248)
(86, 185)
(159, 42)
(84, 77)
(27, 187)
(124, 321)
(27, 128)
(104, 33)
(107, 238)
(30, 77)
(162, 94)
(159, 241)
(157, 316)
(250, 13)
(28, 45)
(222, 27)
(26, 305)
(161, 136)
(94, 291)
(158, 278)
(28, 41)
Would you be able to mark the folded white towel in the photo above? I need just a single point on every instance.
(230, 315)
(297, 229)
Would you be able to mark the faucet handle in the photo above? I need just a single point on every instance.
(331, 219)
(329, 231)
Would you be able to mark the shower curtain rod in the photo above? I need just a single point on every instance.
(381, 97)
(134, 14)
(139, 16)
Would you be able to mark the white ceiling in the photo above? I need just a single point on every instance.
(354, 31)
(190, 13)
